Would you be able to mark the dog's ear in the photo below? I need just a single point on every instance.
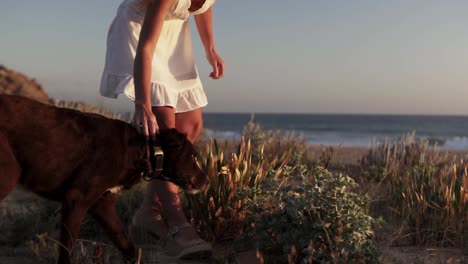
(171, 138)
(133, 138)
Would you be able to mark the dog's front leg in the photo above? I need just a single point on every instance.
(73, 213)
(104, 212)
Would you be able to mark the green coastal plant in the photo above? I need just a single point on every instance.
(310, 216)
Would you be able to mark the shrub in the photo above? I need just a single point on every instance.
(305, 217)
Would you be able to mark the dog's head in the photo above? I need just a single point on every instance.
(180, 164)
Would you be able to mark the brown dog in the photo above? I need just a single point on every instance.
(76, 158)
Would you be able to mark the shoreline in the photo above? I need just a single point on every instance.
(351, 155)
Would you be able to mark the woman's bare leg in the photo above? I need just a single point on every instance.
(164, 194)
(190, 123)
(150, 211)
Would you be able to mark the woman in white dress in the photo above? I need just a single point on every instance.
(149, 59)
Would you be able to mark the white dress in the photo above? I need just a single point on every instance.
(174, 79)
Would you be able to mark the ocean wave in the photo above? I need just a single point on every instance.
(366, 140)
(460, 143)
(223, 135)
(352, 139)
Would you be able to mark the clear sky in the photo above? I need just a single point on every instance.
(307, 56)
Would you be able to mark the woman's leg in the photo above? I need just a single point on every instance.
(162, 196)
(150, 211)
(189, 123)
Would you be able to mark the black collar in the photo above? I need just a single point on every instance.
(156, 160)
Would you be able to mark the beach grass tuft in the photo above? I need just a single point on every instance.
(422, 190)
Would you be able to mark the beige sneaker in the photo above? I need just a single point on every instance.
(147, 236)
(182, 249)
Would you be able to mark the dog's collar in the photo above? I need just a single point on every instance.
(156, 160)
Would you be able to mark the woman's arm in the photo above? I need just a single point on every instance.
(149, 35)
(204, 24)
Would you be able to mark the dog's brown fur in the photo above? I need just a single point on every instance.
(75, 157)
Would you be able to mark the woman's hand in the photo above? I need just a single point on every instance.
(145, 121)
(217, 63)
(204, 23)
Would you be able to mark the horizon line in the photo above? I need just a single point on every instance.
(336, 114)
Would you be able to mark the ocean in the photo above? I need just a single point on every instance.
(448, 132)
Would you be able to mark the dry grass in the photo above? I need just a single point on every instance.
(219, 211)
(421, 190)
